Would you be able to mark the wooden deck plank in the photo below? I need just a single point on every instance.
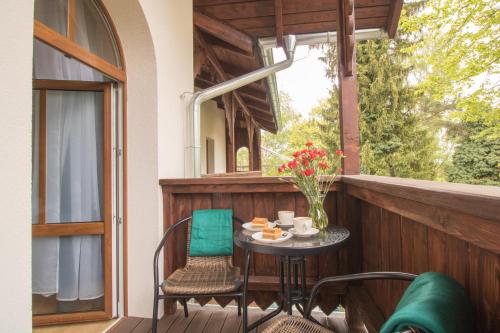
(216, 322)
(232, 323)
(143, 327)
(252, 317)
(126, 325)
(168, 320)
(199, 322)
(182, 322)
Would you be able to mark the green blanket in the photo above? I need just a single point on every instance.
(211, 233)
(433, 303)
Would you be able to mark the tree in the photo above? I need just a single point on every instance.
(456, 55)
(477, 159)
(394, 140)
(294, 132)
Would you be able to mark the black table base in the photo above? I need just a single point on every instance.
(292, 288)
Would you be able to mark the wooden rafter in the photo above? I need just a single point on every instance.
(199, 60)
(222, 75)
(278, 18)
(223, 31)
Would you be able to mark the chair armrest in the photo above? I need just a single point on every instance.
(161, 245)
(354, 277)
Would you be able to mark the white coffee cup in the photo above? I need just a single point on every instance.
(302, 224)
(286, 216)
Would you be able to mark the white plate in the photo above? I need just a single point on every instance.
(309, 233)
(249, 226)
(258, 237)
(278, 222)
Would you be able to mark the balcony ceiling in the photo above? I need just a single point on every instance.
(230, 29)
(258, 18)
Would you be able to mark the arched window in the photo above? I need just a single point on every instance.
(77, 77)
(242, 159)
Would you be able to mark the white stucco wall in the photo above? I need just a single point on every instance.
(157, 42)
(158, 46)
(16, 26)
(213, 125)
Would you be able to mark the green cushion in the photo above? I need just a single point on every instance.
(434, 303)
(211, 233)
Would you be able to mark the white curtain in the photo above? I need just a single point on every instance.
(70, 267)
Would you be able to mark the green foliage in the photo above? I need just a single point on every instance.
(394, 140)
(455, 53)
(476, 160)
(294, 131)
(428, 100)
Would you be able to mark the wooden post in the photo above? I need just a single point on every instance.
(230, 108)
(348, 90)
(257, 159)
(250, 133)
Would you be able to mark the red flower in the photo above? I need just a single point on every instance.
(309, 172)
(312, 154)
(339, 152)
(303, 151)
(323, 165)
(281, 170)
(296, 154)
(322, 153)
(305, 162)
(309, 143)
(292, 164)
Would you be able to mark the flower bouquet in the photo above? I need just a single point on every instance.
(313, 172)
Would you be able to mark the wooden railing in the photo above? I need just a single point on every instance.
(248, 197)
(418, 226)
(395, 224)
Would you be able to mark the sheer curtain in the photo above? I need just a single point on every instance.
(70, 267)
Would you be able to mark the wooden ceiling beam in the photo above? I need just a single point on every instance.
(224, 32)
(212, 58)
(198, 61)
(393, 18)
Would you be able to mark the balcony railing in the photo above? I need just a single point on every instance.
(395, 224)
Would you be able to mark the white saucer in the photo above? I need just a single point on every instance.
(258, 237)
(278, 222)
(309, 233)
(249, 226)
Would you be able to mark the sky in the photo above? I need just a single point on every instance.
(305, 81)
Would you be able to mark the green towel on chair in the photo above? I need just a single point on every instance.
(211, 233)
(434, 303)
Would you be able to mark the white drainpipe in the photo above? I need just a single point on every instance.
(193, 149)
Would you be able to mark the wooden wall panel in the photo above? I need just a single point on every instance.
(263, 200)
(392, 242)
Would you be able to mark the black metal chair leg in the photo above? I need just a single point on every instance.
(239, 306)
(245, 287)
(154, 323)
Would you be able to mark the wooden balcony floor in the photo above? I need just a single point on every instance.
(212, 320)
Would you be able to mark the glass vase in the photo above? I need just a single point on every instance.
(317, 212)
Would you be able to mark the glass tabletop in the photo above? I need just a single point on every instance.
(332, 238)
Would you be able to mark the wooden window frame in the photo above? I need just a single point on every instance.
(70, 48)
(104, 228)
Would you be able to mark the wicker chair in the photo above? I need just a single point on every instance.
(295, 324)
(201, 277)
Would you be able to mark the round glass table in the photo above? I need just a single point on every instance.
(292, 264)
